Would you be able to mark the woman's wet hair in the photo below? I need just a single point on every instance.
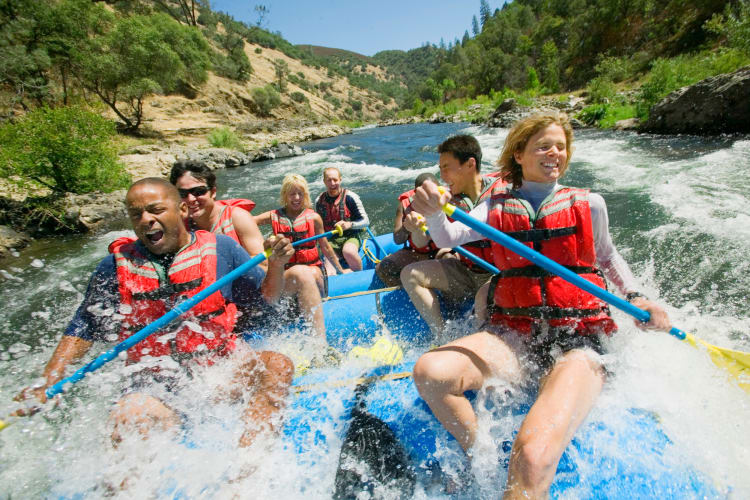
(291, 181)
(518, 137)
(197, 169)
(463, 147)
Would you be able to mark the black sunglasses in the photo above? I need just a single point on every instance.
(195, 191)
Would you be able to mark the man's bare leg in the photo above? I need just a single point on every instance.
(389, 269)
(420, 280)
(480, 306)
(270, 375)
(444, 374)
(142, 413)
(350, 251)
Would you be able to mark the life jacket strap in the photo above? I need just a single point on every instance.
(538, 272)
(536, 235)
(547, 312)
(167, 291)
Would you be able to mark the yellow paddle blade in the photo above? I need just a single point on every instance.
(383, 352)
(3, 424)
(737, 363)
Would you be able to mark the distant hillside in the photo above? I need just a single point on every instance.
(317, 50)
(558, 46)
(412, 66)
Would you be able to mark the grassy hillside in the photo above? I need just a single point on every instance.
(154, 65)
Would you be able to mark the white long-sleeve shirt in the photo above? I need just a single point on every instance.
(447, 235)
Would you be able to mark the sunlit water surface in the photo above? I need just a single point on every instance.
(678, 213)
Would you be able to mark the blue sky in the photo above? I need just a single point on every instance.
(362, 26)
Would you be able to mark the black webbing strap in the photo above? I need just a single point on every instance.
(166, 291)
(535, 235)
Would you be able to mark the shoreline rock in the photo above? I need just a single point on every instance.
(509, 111)
(716, 105)
(11, 240)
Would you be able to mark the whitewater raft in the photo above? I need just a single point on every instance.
(622, 453)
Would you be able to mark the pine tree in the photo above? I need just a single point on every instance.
(475, 25)
(465, 38)
(484, 11)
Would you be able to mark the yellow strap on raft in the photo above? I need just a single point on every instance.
(382, 352)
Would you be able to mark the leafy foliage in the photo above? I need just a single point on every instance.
(734, 24)
(298, 97)
(235, 64)
(224, 137)
(266, 99)
(140, 55)
(569, 43)
(66, 149)
(601, 90)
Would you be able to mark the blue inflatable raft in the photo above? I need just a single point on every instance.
(624, 454)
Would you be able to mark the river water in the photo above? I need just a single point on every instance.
(678, 214)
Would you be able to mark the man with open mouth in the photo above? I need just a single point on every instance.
(141, 279)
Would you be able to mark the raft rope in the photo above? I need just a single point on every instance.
(363, 292)
(368, 253)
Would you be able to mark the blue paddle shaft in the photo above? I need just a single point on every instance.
(477, 260)
(166, 319)
(480, 262)
(375, 242)
(553, 267)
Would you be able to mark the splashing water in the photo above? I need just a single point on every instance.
(678, 214)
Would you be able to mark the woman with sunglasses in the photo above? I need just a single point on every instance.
(196, 184)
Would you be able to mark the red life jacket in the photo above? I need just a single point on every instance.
(480, 248)
(224, 224)
(145, 297)
(405, 199)
(302, 227)
(524, 293)
(332, 212)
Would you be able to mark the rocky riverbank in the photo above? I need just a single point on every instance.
(24, 216)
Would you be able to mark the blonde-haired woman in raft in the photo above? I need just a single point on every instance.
(304, 276)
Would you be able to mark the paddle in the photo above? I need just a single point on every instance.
(462, 251)
(737, 363)
(169, 317)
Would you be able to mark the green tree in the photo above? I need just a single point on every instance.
(67, 149)
(282, 70)
(138, 56)
(532, 80)
(548, 66)
(734, 24)
(36, 40)
(475, 25)
(484, 12)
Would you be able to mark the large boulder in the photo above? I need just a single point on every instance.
(716, 105)
(218, 157)
(11, 240)
(92, 211)
(282, 150)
